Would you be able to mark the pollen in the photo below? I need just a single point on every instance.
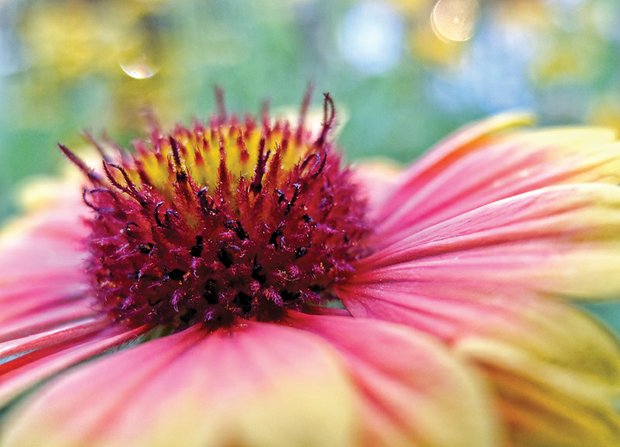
(232, 219)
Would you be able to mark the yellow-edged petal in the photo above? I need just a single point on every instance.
(556, 375)
(557, 241)
(458, 177)
(258, 385)
(408, 386)
(485, 283)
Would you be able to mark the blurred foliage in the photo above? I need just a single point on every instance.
(401, 79)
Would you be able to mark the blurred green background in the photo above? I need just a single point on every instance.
(404, 72)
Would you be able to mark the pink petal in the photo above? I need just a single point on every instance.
(376, 179)
(52, 337)
(462, 174)
(23, 372)
(48, 322)
(30, 323)
(259, 384)
(560, 240)
(34, 255)
(32, 300)
(408, 386)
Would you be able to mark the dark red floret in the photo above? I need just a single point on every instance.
(180, 235)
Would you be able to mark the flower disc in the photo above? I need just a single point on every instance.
(222, 221)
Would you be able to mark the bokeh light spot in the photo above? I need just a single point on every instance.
(454, 20)
(371, 38)
(140, 68)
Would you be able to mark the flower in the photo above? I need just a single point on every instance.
(247, 289)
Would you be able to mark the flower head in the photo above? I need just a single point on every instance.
(219, 222)
(279, 298)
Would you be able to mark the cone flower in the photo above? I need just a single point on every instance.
(233, 283)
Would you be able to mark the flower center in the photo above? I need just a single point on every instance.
(223, 221)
